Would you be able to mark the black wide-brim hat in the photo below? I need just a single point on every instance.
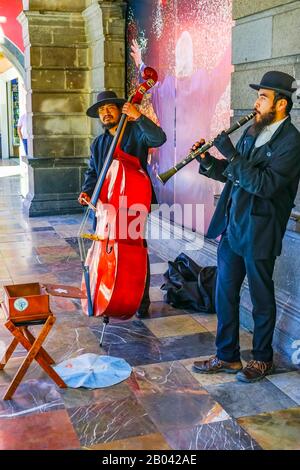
(104, 97)
(277, 81)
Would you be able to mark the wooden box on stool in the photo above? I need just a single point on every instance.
(26, 305)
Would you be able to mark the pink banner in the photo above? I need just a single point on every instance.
(189, 44)
(11, 28)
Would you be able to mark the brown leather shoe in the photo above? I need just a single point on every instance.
(214, 365)
(255, 370)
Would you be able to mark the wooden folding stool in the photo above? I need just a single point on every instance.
(27, 305)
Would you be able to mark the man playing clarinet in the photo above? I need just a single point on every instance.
(261, 175)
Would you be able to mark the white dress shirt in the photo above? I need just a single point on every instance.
(267, 133)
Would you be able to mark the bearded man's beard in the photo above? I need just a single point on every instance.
(109, 125)
(265, 120)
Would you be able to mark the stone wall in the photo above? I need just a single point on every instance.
(265, 37)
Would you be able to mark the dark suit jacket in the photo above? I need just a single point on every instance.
(259, 193)
(138, 137)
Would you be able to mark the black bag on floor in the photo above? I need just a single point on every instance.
(189, 286)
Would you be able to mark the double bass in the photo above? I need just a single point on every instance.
(115, 268)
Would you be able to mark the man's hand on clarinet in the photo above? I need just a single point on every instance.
(84, 198)
(223, 143)
(197, 145)
(136, 53)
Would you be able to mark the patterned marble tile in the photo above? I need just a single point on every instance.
(47, 239)
(288, 383)
(32, 396)
(279, 430)
(18, 270)
(70, 277)
(70, 265)
(13, 237)
(65, 220)
(152, 441)
(4, 282)
(156, 294)
(54, 257)
(42, 278)
(223, 435)
(183, 347)
(108, 421)
(180, 408)
(178, 325)
(73, 243)
(209, 321)
(160, 309)
(131, 331)
(36, 222)
(147, 350)
(64, 305)
(44, 431)
(23, 262)
(21, 249)
(42, 229)
(75, 398)
(154, 257)
(246, 340)
(57, 252)
(64, 343)
(161, 377)
(4, 273)
(11, 228)
(45, 249)
(156, 280)
(242, 399)
(70, 229)
(35, 372)
(64, 318)
(158, 268)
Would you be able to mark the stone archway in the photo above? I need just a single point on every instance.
(12, 67)
(14, 55)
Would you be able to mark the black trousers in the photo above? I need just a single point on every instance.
(232, 269)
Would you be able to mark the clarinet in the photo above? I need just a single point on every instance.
(164, 177)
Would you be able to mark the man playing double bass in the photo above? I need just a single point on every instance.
(140, 134)
(261, 175)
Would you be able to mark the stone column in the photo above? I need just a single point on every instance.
(105, 31)
(265, 37)
(57, 79)
(73, 49)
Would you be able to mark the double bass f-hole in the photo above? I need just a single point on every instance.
(107, 248)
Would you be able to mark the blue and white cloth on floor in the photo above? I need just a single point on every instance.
(93, 371)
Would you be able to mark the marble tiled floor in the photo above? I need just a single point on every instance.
(164, 404)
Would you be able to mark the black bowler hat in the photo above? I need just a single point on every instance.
(277, 81)
(104, 97)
